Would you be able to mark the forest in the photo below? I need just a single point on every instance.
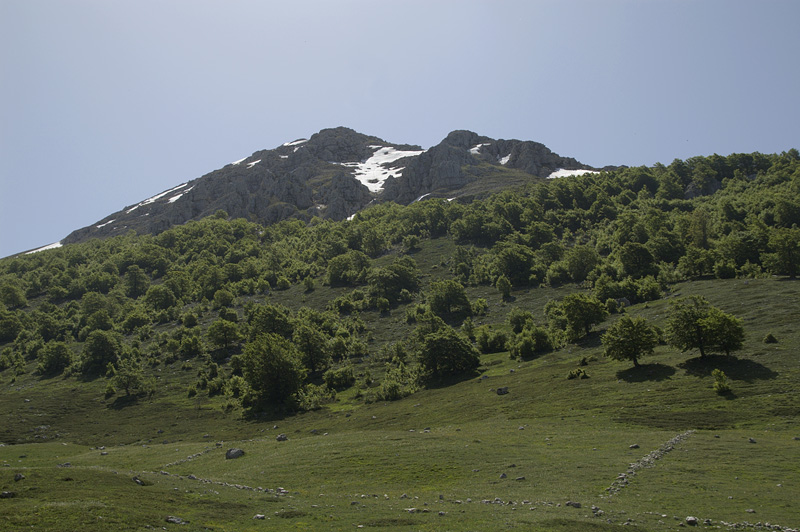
(283, 317)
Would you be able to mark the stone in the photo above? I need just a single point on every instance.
(176, 520)
(634, 446)
(138, 481)
(503, 475)
(7, 495)
(573, 504)
(18, 477)
(502, 390)
(281, 437)
(234, 453)
(691, 520)
(259, 516)
(750, 511)
(751, 440)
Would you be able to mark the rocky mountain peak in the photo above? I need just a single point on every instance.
(333, 174)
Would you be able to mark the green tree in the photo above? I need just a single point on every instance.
(100, 349)
(223, 298)
(629, 339)
(54, 358)
(727, 332)
(160, 297)
(224, 334)
(10, 326)
(128, 375)
(448, 296)
(313, 347)
(577, 313)
(272, 367)
(580, 261)
(514, 261)
(136, 281)
(504, 286)
(268, 319)
(785, 258)
(695, 324)
(12, 295)
(445, 353)
(636, 259)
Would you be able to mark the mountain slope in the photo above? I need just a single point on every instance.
(334, 174)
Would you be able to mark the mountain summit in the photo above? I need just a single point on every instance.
(334, 174)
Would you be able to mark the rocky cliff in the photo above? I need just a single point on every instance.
(334, 174)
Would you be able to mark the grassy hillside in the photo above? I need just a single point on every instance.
(625, 446)
(348, 464)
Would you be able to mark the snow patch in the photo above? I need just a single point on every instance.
(561, 172)
(155, 198)
(175, 198)
(505, 159)
(477, 148)
(373, 172)
(45, 248)
(239, 161)
(284, 156)
(422, 197)
(105, 224)
(296, 142)
(250, 165)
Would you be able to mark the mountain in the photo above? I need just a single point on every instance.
(334, 174)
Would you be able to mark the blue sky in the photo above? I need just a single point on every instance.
(105, 103)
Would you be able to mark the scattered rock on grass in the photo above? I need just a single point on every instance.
(7, 495)
(502, 390)
(234, 453)
(691, 521)
(18, 477)
(281, 437)
(573, 504)
(176, 520)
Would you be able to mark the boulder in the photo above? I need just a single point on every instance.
(691, 521)
(281, 437)
(234, 453)
(503, 390)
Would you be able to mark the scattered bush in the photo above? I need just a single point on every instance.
(339, 378)
(721, 385)
(577, 373)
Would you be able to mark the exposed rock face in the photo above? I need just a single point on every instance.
(318, 177)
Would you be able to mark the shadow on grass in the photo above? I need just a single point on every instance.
(740, 369)
(444, 382)
(646, 372)
(123, 401)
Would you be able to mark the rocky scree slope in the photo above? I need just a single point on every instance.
(334, 174)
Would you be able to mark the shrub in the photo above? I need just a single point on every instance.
(770, 339)
(54, 357)
(577, 373)
(312, 397)
(530, 342)
(490, 341)
(340, 378)
(721, 385)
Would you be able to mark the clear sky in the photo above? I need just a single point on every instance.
(105, 103)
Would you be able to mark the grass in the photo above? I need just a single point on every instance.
(485, 461)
